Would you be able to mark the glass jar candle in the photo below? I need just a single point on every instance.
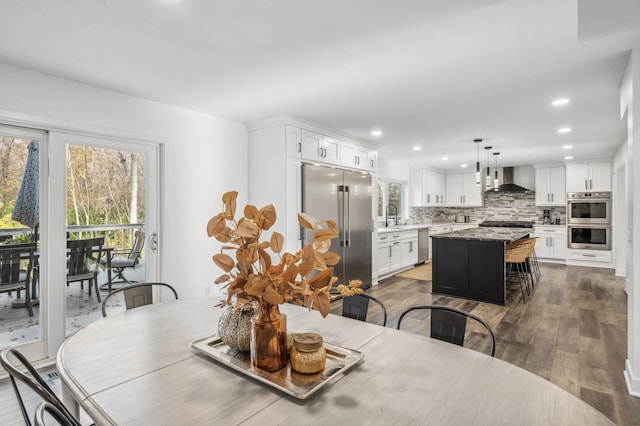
(308, 356)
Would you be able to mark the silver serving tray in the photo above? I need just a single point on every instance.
(301, 386)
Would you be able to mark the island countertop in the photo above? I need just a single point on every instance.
(508, 235)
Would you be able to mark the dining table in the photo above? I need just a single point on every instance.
(138, 367)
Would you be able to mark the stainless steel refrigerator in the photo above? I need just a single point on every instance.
(345, 197)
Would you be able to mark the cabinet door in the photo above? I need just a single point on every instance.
(362, 158)
(543, 196)
(472, 194)
(416, 185)
(428, 193)
(409, 252)
(373, 161)
(396, 256)
(331, 150)
(557, 187)
(558, 247)
(348, 155)
(383, 258)
(600, 177)
(439, 188)
(577, 177)
(454, 192)
(311, 145)
(293, 136)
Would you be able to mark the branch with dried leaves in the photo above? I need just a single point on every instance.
(304, 277)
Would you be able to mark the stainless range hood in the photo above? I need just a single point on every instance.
(508, 187)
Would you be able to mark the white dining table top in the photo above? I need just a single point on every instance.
(137, 367)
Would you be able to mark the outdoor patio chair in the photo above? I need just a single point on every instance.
(450, 324)
(136, 295)
(16, 267)
(82, 262)
(123, 259)
(34, 381)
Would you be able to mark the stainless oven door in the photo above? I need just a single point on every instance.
(592, 237)
(589, 211)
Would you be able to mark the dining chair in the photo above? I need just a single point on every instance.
(357, 307)
(82, 262)
(450, 324)
(136, 295)
(34, 381)
(123, 259)
(54, 412)
(16, 270)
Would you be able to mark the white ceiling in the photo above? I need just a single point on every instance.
(426, 72)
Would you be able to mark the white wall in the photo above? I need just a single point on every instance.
(204, 156)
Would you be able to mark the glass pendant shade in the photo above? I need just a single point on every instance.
(495, 181)
(477, 142)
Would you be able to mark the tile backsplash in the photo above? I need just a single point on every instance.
(496, 207)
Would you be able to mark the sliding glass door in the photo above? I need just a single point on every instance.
(85, 186)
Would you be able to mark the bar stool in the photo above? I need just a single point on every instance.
(532, 259)
(515, 257)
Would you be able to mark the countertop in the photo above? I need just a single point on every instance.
(400, 228)
(507, 235)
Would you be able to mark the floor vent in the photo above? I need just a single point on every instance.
(52, 375)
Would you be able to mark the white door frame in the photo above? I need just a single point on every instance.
(55, 270)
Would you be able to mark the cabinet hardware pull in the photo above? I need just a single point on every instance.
(588, 255)
(299, 146)
(590, 184)
(586, 184)
(552, 197)
(372, 163)
(389, 251)
(428, 198)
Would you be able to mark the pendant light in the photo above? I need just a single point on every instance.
(495, 181)
(488, 180)
(477, 142)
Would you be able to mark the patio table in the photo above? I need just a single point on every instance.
(149, 375)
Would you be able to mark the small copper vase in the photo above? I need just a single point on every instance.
(269, 338)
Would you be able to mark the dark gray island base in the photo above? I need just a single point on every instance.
(470, 263)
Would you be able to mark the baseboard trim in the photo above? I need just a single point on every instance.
(633, 381)
(622, 272)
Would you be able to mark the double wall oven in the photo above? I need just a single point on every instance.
(589, 220)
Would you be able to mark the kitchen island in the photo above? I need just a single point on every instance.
(470, 263)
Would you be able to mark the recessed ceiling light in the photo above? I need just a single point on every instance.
(376, 133)
(417, 148)
(567, 146)
(444, 158)
(569, 157)
(463, 165)
(560, 102)
(564, 130)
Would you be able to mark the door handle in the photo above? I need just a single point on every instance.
(348, 215)
(153, 242)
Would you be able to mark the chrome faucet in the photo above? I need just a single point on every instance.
(386, 215)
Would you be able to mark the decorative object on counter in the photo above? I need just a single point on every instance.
(234, 326)
(308, 356)
(250, 274)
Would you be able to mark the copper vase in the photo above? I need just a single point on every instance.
(269, 338)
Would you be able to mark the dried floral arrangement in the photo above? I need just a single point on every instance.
(251, 275)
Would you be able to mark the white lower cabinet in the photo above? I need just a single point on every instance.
(396, 251)
(552, 242)
(603, 256)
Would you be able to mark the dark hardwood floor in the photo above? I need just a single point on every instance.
(572, 331)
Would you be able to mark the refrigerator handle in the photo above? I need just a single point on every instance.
(347, 217)
(341, 218)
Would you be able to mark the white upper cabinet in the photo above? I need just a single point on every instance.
(433, 188)
(461, 190)
(356, 156)
(318, 147)
(550, 186)
(426, 188)
(293, 136)
(589, 177)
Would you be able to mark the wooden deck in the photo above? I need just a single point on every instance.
(17, 327)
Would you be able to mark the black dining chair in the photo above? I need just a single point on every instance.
(16, 270)
(83, 260)
(450, 324)
(34, 381)
(357, 307)
(136, 295)
(45, 410)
